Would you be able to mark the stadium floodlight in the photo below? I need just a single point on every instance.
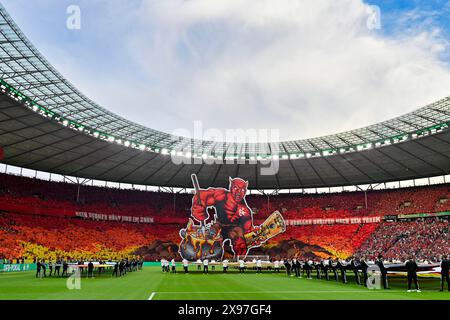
(142, 147)
(164, 151)
(285, 157)
(35, 108)
(308, 155)
(127, 143)
(111, 139)
(275, 157)
(173, 153)
(65, 123)
(96, 134)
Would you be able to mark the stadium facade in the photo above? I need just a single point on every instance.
(46, 124)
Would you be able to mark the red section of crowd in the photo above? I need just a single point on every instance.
(427, 239)
(34, 196)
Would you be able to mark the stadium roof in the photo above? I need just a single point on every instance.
(46, 124)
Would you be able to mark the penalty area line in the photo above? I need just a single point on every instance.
(152, 296)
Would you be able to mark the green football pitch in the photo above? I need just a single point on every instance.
(151, 284)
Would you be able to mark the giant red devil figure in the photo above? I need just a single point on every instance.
(233, 214)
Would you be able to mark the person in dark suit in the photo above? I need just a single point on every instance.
(57, 267)
(38, 269)
(100, 269)
(308, 268)
(287, 265)
(122, 267)
(411, 267)
(64, 269)
(116, 270)
(364, 267)
(318, 267)
(293, 266)
(354, 265)
(383, 271)
(44, 268)
(90, 270)
(342, 265)
(445, 268)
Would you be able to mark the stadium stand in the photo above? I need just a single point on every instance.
(395, 201)
(39, 220)
(425, 238)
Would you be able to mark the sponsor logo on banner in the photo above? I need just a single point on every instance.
(15, 267)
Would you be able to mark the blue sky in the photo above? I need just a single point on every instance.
(406, 16)
(306, 68)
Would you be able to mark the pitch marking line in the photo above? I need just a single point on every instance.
(263, 292)
(151, 296)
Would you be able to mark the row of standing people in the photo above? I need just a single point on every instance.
(326, 269)
(60, 268)
(125, 265)
(331, 269)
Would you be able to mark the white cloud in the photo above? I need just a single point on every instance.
(306, 67)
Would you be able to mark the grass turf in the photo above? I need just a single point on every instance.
(151, 282)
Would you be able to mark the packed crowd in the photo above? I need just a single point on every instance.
(425, 238)
(347, 204)
(46, 237)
